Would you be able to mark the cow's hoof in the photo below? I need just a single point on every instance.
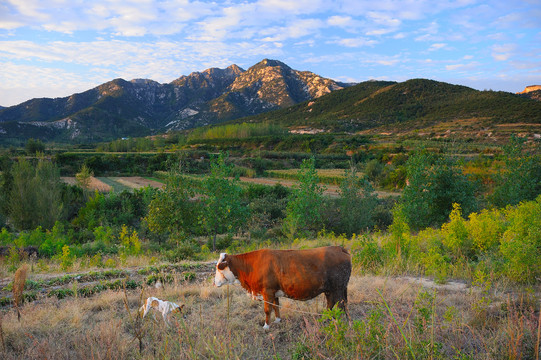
(277, 320)
(266, 327)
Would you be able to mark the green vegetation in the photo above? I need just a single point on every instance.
(236, 131)
(223, 210)
(435, 183)
(303, 211)
(410, 104)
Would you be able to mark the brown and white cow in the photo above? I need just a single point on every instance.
(295, 274)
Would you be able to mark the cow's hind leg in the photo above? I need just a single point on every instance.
(269, 303)
(276, 306)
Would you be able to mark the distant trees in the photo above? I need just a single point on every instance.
(237, 131)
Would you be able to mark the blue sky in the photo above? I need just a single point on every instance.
(59, 47)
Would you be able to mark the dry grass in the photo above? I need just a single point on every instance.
(95, 184)
(226, 323)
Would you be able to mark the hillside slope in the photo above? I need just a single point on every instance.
(414, 103)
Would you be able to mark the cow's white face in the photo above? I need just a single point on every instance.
(224, 276)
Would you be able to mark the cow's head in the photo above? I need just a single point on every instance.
(224, 275)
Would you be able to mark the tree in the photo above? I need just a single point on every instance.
(223, 209)
(520, 179)
(304, 206)
(6, 182)
(33, 146)
(84, 177)
(35, 198)
(357, 202)
(434, 184)
(172, 209)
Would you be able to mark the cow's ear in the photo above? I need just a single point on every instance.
(222, 265)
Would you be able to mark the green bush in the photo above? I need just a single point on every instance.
(186, 250)
(367, 254)
(435, 184)
(456, 236)
(521, 242)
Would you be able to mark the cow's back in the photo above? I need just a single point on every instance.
(304, 274)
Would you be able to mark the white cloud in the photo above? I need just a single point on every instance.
(502, 52)
(338, 20)
(462, 67)
(355, 42)
(437, 46)
(293, 30)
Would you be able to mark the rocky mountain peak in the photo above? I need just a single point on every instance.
(270, 63)
(235, 69)
(122, 108)
(530, 89)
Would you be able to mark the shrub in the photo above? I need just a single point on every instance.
(398, 244)
(520, 179)
(129, 244)
(367, 254)
(455, 234)
(435, 183)
(357, 203)
(183, 251)
(521, 242)
(435, 264)
(66, 259)
(485, 229)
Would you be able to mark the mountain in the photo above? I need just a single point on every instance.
(532, 92)
(412, 104)
(121, 108)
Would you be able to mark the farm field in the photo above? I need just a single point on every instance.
(106, 184)
(390, 317)
(330, 190)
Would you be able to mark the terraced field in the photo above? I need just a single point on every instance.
(117, 184)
